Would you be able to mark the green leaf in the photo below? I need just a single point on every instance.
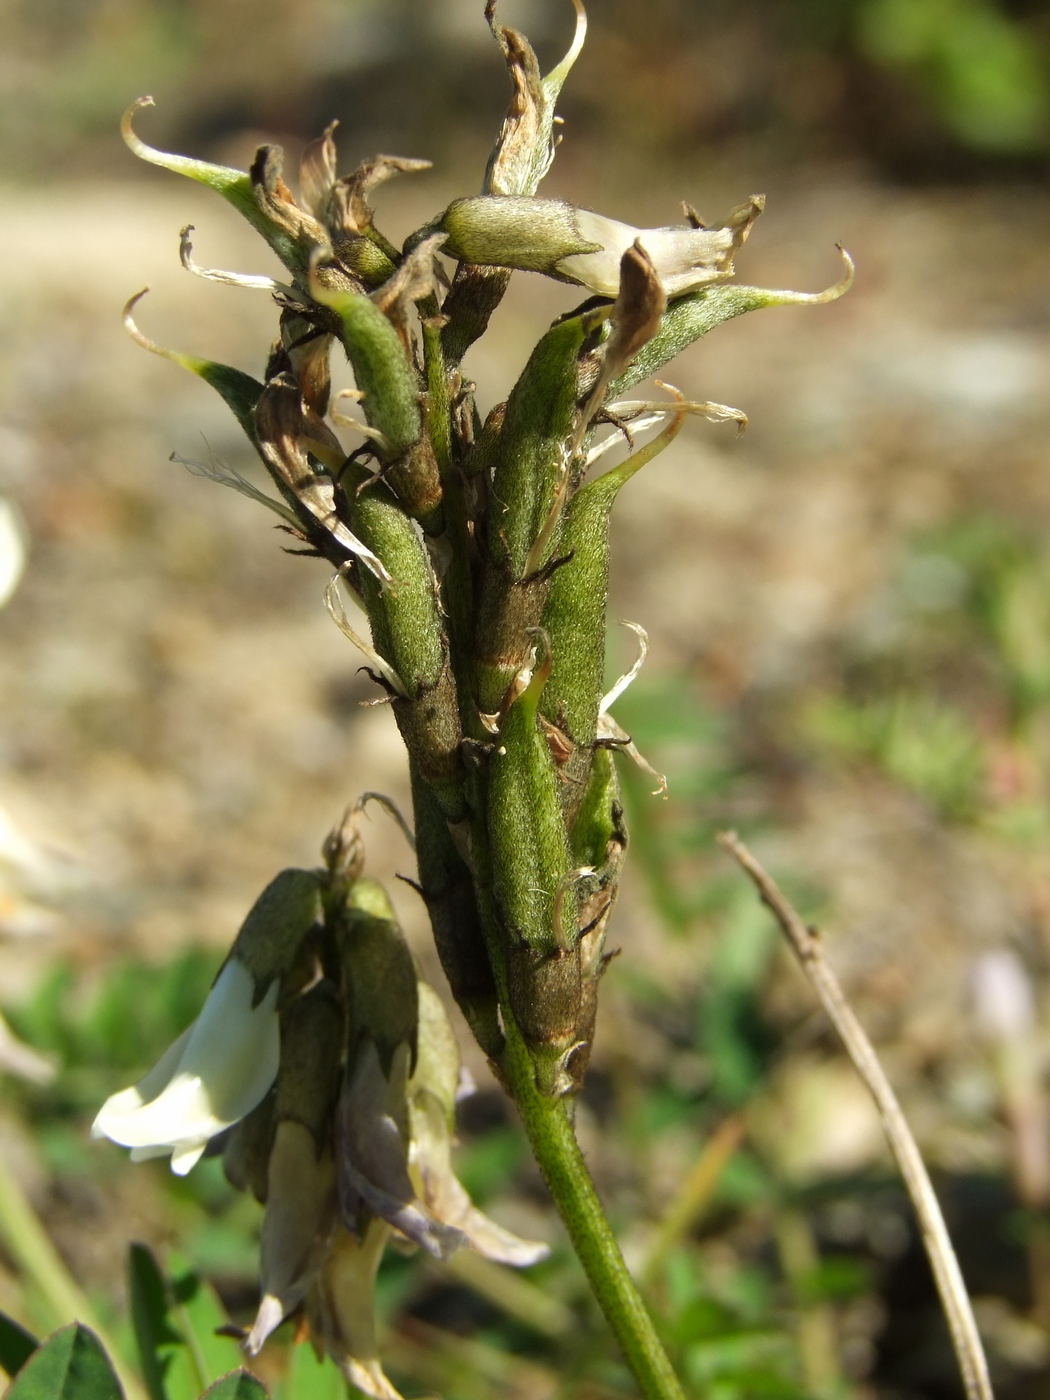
(238, 1385)
(198, 1313)
(175, 1325)
(16, 1345)
(154, 1333)
(71, 1365)
(310, 1379)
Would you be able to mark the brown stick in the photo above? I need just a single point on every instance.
(806, 945)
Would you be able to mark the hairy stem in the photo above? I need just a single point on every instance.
(553, 1142)
(556, 1150)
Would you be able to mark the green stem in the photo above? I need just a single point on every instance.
(27, 1242)
(554, 1145)
(553, 1142)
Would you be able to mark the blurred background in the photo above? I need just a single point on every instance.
(849, 611)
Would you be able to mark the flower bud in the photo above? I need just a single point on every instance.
(578, 245)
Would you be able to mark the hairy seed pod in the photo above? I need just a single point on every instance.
(531, 468)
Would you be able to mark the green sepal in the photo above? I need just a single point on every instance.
(381, 972)
(313, 1035)
(17, 1344)
(540, 417)
(246, 1160)
(238, 1385)
(381, 367)
(690, 317)
(70, 1365)
(235, 186)
(270, 938)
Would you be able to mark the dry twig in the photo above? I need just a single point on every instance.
(806, 945)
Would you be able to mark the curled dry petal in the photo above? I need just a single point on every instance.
(317, 174)
(350, 212)
(214, 1074)
(635, 317)
(286, 431)
(373, 1154)
(433, 1091)
(525, 146)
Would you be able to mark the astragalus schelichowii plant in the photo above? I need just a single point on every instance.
(321, 1067)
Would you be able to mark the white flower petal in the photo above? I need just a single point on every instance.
(183, 1159)
(128, 1101)
(147, 1154)
(213, 1075)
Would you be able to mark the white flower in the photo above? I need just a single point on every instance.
(214, 1074)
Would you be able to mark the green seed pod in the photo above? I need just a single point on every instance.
(574, 616)
(531, 470)
(407, 631)
(380, 972)
(535, 898)
(391, 401)
(448, 892)
(381, 367)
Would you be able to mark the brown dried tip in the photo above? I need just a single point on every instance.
(350, 209)
(635, 318)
